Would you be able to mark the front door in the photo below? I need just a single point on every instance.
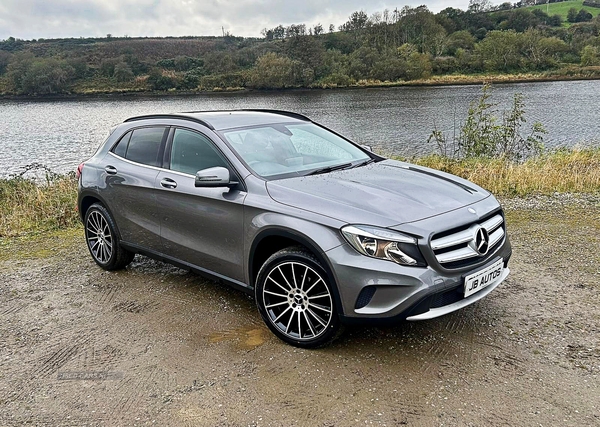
(201, 226)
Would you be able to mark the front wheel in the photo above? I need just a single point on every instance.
(102, 239)
(295, 299)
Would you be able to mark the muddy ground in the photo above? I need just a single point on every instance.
(154, 345)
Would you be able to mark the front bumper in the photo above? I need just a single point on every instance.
(379, 291)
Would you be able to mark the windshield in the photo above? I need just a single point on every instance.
(280, 150)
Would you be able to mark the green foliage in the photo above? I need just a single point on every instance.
(224, 81)
(39, 76)
(590, 56)
(274, 71)
(123, 72)
(4, 60)
(483, 134)
(158, 80)
(390, 46)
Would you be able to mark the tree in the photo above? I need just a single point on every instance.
(583, 16)
(318, 30)
(572, 15)
(590, 56)
(46, 76)
(356, 22)
(123, 72)
(500, 50)
(159, 80)
(4, 60)
(273, 71)
(479, 6)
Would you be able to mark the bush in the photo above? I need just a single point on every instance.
(337, 79)
(224, 81)
(273, 71)
(159, 80)
(485, 135)
(122, 72)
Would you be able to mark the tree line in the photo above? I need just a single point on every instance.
(391, 45)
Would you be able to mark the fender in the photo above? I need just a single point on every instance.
(301, 239)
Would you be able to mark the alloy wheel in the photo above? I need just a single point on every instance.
(297, 301)
(99, 237)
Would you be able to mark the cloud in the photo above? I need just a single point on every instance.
(28, 19)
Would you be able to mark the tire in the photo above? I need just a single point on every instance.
(295, 298)
(103, 239)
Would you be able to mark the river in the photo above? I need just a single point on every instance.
(62, 133)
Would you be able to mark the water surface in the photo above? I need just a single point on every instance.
(62, 133)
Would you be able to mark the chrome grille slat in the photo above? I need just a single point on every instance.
(493, 223)
(496, 236)
(457, 255)
(451, 240)
(460, 246)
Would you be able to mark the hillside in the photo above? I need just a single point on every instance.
(563, 8)
(386, 48)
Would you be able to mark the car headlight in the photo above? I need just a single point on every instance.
(385, 244)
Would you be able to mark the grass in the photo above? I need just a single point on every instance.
(562, 8)
(28, 207)
(563, 171)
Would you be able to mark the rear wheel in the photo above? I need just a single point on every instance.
(295, 298)
(102, 239)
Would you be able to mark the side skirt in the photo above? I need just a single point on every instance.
(211, 275)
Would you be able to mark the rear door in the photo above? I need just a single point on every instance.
(131, 168)
(201, 226)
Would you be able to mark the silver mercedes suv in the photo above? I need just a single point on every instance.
(320, 230)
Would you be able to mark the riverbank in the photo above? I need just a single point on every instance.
(103, 87)
(28, 207)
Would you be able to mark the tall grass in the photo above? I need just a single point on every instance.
(563, 171)
(29, 206)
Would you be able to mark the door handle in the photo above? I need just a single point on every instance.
(168, 183)
(111, 170)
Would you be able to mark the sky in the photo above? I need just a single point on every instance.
(34, 19)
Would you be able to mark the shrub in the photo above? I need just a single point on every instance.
(485, 135)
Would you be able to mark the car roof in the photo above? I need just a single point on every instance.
(228, 119)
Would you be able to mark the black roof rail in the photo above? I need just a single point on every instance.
(281, 113)
(170, 116)
(255, 110)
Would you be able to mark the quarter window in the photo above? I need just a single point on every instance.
(121, 148)
(192, 152)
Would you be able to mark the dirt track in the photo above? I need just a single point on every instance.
(156, 345)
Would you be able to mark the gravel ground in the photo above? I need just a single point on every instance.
(155, 345)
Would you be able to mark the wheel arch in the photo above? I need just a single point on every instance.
(87, 199)
(272, 240)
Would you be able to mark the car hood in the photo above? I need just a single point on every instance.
(385, 194)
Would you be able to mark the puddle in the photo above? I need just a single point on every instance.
(248, 338)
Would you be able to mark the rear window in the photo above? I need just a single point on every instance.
(141, 146)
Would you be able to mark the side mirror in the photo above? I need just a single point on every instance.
(214, 177)
(367, 147)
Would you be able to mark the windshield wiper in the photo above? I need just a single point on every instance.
(365, 163)
(329, 169)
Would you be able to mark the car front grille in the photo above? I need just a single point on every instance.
(470, 244)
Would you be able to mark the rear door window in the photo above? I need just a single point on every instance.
(145, 146)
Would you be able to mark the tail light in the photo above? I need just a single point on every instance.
(79, 169)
